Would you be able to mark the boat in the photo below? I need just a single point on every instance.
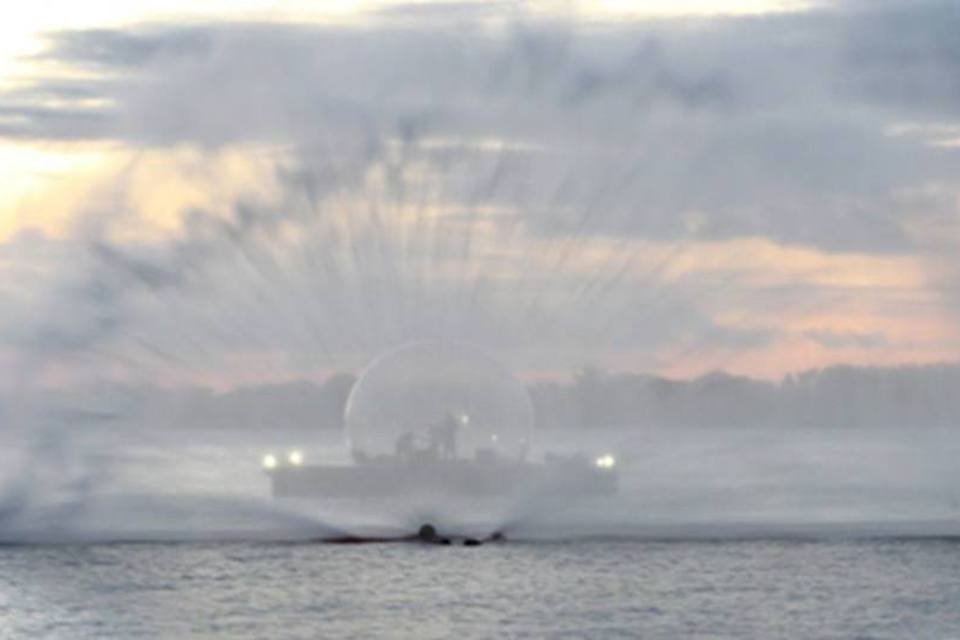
(437, 419)
(482, 476)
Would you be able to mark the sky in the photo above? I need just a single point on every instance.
(237, 194)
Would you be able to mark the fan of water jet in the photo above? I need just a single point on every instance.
(439, 432)
(438, 400)
(72, 483)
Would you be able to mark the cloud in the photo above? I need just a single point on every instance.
(26, 121)
(839, 340)
(760, 126)
(905, 56)
(520, 181)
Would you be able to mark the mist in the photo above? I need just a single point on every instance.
(674, 483)
(721, 248)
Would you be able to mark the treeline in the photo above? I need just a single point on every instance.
(841, 396)
(292, 405)
(282, 406)
(835, 397)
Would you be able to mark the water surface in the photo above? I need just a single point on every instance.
(761, 588)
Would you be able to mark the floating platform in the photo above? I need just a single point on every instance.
(391, 477)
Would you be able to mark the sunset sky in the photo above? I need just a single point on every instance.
(229, 193)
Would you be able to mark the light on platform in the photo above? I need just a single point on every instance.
(605, 462)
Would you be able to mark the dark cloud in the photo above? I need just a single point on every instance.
(771, 126)
(906, 56)
(113, 49)
(29, 121)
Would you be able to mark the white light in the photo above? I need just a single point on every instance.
(605, 462)
(494, 438)
(269, 461)
(465, 419)
(295, 458)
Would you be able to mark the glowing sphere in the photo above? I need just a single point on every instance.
(438, 401)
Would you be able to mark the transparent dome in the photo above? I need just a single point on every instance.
(438, 400)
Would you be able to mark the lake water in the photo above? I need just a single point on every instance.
(758, 588)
